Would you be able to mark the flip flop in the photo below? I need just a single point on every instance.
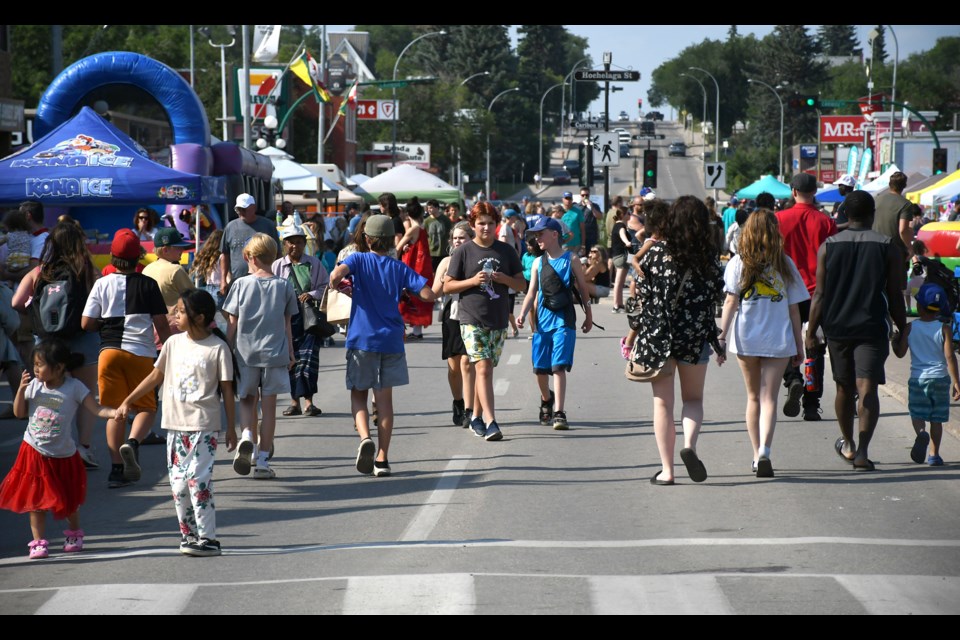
(695, 468)
(838, 447)
(660, 483)
(919, 451)
(865, 467)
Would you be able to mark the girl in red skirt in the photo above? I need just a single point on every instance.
(48, 474)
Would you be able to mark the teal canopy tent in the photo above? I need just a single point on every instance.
(767, 183)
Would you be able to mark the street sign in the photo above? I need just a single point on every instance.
(374, 109)
(583, 125)
(418, 153)
(715, 175)
(612, 76)
(835, 104)
(606, 153)
(648, 136)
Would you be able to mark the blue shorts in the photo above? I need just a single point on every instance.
(929, 399)
(553, 350)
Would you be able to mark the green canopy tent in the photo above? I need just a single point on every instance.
(406, 181)
(767, 184)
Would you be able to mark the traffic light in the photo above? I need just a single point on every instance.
(650, 168)
(939, 161)
(639, 103)
(804, 102)
(583, 157)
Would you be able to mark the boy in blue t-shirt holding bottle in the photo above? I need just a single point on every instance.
(375, 353)
(933, 372)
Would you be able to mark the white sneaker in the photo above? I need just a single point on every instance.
(264, 472)
(89, 457)
(243, 458)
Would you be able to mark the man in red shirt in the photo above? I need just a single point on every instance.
(804, 229)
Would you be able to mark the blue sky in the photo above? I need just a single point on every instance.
(645, 47)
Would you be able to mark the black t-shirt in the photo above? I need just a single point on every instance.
(617, 247)
(478, 306)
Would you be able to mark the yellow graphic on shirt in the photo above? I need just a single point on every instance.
(771, 287)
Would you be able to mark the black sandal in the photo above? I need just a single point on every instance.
(292, 411)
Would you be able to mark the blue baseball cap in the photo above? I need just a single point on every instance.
(932, 297)
(545, 224)
(509, 213)
(567, 194)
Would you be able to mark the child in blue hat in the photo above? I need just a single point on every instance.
(933, 372)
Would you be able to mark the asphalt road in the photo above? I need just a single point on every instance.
(542, 522)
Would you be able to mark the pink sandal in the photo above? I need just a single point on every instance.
(38, 549)
(74, 541)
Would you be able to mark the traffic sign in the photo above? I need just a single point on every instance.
(715, 175)
(834, 104)
(648, 136)
(606, 147)
(584, 125)
(612, 76)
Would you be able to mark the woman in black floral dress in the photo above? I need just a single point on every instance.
(682, 278)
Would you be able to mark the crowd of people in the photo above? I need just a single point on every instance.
(787, 283)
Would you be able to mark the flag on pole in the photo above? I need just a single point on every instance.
(351, 99)
(266, 42)
(307, 69)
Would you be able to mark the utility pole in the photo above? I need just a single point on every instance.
(607, 61)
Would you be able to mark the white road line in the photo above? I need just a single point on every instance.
(500, 387)
(905, 595)
(663, 595)
(429, 514)
(514, 358)
(410, 595)
(119, 599)
(516, 544)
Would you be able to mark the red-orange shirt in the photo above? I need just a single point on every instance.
(804, 229)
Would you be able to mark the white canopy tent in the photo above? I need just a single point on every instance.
(883, 180)
(406, 181)
(298, 179)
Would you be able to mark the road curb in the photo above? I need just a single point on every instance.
(899, 393)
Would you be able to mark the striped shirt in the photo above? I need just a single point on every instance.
(126, 303)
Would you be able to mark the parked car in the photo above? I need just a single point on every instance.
(624, 117)
(573, 166)
(677, 148)
(597, 173)
(560, 176)
(624, 150)
(624, 137)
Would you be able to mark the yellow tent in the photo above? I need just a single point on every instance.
(914, 196)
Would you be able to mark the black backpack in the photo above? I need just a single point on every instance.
(57, 306)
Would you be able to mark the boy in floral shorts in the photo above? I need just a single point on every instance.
(482, 272)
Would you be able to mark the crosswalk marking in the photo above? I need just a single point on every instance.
(500, 387)
(429, 514)
(663, 595)
(514, 359)
(119, 599)
(905, 595)
(446, 594)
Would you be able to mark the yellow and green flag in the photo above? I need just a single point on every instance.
(307, 69)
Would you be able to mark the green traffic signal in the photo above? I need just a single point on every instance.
(811, 102)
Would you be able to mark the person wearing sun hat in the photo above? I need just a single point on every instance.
(126, 307)
(845, 184)
(309, 279)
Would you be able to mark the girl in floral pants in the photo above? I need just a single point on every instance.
(198, 369)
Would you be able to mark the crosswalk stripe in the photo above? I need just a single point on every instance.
(663, 595)
(905, 595)
(500, 387)
(429, 514)
(514, 359)
(430, 594)
(119, 599)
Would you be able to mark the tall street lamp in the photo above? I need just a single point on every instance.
(459, 165)
(396, 65)
(232, 31)
(893, 97)
(489, 109)
(476, 75)
(542, 98)
(563, 105)
(703, 135)
(716, 144)
(780, 100)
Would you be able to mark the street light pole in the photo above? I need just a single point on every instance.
(469, 78)
(223, 70)
(459, 165)
(780, 100)
(563, 105)
(489, 109)
(716, 145)
(703, 135)
(396, 65)
(542, 98)
(893, 98)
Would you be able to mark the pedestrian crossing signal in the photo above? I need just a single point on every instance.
(650, 168)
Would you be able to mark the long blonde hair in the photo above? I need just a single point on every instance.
(761, 246)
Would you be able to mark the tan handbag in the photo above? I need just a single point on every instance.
(336, 305)
(639, 372)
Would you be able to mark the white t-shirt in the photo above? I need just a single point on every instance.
(51, 416)
(192, 370)
(761, 326)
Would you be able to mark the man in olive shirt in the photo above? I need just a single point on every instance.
(438, 228)
(893, 218)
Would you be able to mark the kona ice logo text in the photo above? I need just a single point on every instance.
(69, 187)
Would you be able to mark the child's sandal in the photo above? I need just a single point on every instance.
(38, 549)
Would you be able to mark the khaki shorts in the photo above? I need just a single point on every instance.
(375, 370)
(271, 381)
(119, 373)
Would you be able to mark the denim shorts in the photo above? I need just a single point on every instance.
(704, 356)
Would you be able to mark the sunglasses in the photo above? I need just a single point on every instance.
(142, 218)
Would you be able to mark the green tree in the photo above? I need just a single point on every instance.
(837, 39)
(879, 45)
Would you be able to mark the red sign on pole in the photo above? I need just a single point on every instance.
(871, 104)
(828, 176)
(841, 129)
(367, 109)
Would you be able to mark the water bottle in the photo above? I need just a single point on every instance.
(297, 221)
(809, 377)
(279, 218)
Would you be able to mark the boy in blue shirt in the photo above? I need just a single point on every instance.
(556, 332)
(375, 354)
(933, 372)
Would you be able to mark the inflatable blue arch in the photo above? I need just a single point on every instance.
(188, 120)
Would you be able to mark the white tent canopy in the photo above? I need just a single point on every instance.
(406, 181)
(297, 178)
(883, 180)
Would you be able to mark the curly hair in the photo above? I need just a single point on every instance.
(761, 247)
(66, 247)
(656, 213)
(483, 209)
(208, 255)
(688, 234)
